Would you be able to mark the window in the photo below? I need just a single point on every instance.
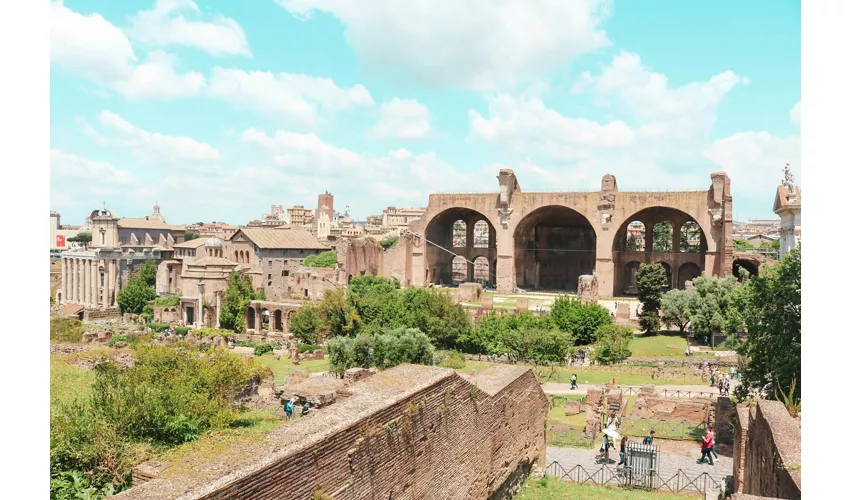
(285, 261)
(270, 276)
(285, 273)
(306, 292)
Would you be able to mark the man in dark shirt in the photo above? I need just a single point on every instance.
(650, 438)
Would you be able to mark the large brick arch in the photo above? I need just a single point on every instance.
(606, 211)
(438, 233)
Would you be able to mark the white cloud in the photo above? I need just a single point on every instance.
(89, 45)
(400, 154)
(305, 153)
(795, 114)
(475, 43)
(165, 25)
(83, 183)
(92, 47)
(153, 147)
(294, 98)
(156, 79)
(68, 166)
(404, 119)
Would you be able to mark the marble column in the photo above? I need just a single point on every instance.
(75, 282)
(200, 319)
(110, 283)
(64, 286)
(95, 295)
(104, 288)
(218, 310)
(86, 282)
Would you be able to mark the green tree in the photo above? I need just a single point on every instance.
(432, 312)
(324, 259)
(240, 292)
(674, 305)
(147, 274)
(377, 300)
(581, 320)
(742, 245)
(632, 244)
(84, 238)
(133, 297)
(711, 309)
(191, 235)
(613, 344)
(337, 316)
(388, 243)
(305, 324)
(773, 317)
(650, 279)
(402, 345)
(662, 237)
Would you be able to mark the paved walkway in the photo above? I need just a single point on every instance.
(669, 464)
(559, 389)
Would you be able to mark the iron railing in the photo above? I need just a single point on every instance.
(562, 400)
(569, 438)
(606, 476)
(669, 393)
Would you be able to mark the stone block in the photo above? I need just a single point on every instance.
(257, 339)
(623, 311)
(522, 304)
(243, 337)
(588, 289)
(355, 374)
(318, 354)
(572, 407)
(487, 303)
(470, 292)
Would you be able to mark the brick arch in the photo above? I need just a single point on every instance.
(439, 248)
(687, 272)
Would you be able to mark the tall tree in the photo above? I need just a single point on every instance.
(147, 274)
(711, 307)
(674, 304)
(133, 297)
(773, 314)
(650, 279)
(240, 292)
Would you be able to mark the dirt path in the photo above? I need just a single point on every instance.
(559, 389)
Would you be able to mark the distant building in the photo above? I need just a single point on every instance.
(59, 235)
(298, 215)
(400, 218)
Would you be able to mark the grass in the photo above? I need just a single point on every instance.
(67, 382)
(593, 376)
(551, 488)
(663, 344)
(557, 416)
(283, 367)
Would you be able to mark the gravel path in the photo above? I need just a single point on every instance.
(559, 389)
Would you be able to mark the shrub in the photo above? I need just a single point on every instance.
(244, 343)
(324, 259)
(181, 330)
(210, 332)
(261, 349)
(581, 320)
(402, 345)
(305, 324)
(308, 347)
(388, 243)
(134, 297)
(453, 359)
(158, 327)
(116, 339)
(66, 329)
(613, 344)
(348, 352)
(432, 312)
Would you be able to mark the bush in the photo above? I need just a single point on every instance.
(388, 243)
(210, 332)
(134, 297)
(243, 343)
(324, 259)
(308, 347)
(181, 330)
(305, 324)
(169, 396)
(66, 330)
(613, 344)
(432, 312)
(159, 327)
(650, 279)
(402, 345)
(453, 359)
(261, 349)
(116, 339)
(581, 320)
(347, 352)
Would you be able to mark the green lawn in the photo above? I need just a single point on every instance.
(663, 344)
(550, 488)
(68, 382)
(283, 367)
(593, 376)
(557, 416)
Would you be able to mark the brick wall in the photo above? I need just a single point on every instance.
(773, 453)
(739, 451)
(724, 431)
(448, 439)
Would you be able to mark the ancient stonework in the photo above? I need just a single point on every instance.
(607, 199)
(588, 289)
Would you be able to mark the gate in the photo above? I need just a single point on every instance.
(642, 462)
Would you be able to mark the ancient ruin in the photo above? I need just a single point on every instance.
(408, 432)
(545, 241)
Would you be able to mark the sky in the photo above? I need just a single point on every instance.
(217, 109)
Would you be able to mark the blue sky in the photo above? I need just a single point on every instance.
(219, 109)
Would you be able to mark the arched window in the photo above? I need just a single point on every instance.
(481, 235)
(459, 270)
(459, 234)
(662, 237)
(636, 237)
(482, 271)
(691, 238)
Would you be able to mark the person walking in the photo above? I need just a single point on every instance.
(707, 447)
(287, 408)
(712, 379)
(623, 443)
(649, 439)
(573, 381)
(603, 451)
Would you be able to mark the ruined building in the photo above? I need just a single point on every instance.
(545, 241)
(408, 432)
(788, 206)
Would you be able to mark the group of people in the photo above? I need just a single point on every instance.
(722, 381)
(290, 406)
(708, 448)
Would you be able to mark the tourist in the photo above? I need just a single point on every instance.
(733, 372)
(707, 447)
(305, 409)
(648, 439)
(573, 381)
(613, 381)
(287, 408)
(712, 379)
(623, 443)
(688, 351)
(604, 450)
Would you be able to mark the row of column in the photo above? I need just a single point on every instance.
(83, 283)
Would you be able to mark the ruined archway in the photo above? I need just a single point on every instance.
(688, 272)
(672, 238)
(264, 318)
(554, 245)
(250, 318)
(278, 320)
(451, 234)
(752, 267)
(482, 271)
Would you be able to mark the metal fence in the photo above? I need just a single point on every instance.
(625, 477)
(669, 393)
(681, 431)
(569, 438)
(562, 400)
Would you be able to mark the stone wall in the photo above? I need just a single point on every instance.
(101, 313)
(773, 453)
(366, 256)
(739, 451)
(724, 431)
(408, 432)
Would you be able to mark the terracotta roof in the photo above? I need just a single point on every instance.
(283, 239)
(196, 243)
(782, 194)
(212, 261)
(128, 223)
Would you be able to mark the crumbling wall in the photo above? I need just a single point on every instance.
(773, 453)
(739, 451)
